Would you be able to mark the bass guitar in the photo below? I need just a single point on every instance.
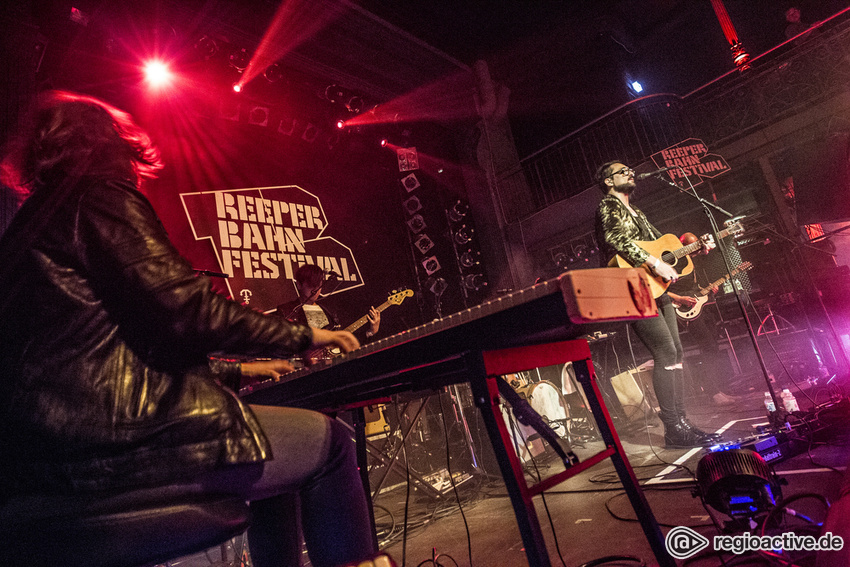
(690, 313)
(669, 250)
(395, 298)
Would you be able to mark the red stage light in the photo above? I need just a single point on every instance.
(157, 74)
(237, 88)
(340, 124)
(384, 143)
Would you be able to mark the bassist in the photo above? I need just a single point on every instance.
(310, 281)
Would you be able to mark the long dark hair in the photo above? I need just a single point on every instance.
(74, 135)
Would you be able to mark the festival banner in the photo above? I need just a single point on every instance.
(691, 163)
(262, 235)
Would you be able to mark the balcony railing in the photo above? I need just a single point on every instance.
(793, 76)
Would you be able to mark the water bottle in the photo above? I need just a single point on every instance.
(768, 403)
(789, 401)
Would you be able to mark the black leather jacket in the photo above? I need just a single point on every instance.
(104, 338)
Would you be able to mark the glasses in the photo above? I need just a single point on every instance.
(624, 171)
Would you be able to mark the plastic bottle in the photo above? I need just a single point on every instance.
(768, 403)
(789, 401)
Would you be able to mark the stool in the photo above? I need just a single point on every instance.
(132, 529)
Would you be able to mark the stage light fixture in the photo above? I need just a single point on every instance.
(467, 259)
(157, 74)
(412, 205)
(408, 159)
(431, 264)
(206, 47)
(458, 211)
(273, 73)
(637, 87)
(340, 124)
(463, 235)
(410, 182)
(354, 104)
(737, 482)
(474, 282)
(436, 286)
(237, 87)
(258, 116)
(335, 94)
(423, 243)
(416, 224)
(239, 59)
(384, 142)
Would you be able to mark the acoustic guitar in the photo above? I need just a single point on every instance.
(690, 313)
(669, 250)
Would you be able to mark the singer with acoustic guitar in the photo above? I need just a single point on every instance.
(620, 226)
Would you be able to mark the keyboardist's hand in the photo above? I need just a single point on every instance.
(256, 370)
(342, 339)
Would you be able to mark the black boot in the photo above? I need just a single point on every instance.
(708, 437)
(676, 436)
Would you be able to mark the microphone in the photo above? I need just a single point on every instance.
(332, 282)
(656, 172)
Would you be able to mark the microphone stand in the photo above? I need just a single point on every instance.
(779, 416)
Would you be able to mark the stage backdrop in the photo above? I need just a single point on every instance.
(253, 191)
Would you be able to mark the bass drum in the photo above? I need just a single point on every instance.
(545, 399)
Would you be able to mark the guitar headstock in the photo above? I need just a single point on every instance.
(398, 296)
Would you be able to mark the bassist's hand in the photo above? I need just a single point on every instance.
(342, 339)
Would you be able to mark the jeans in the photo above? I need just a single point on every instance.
(315, 469)
(660, 335)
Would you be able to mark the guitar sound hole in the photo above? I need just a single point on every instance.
(669, 258)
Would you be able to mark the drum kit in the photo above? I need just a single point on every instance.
(562, 406)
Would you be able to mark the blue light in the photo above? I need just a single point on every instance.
(637, 87)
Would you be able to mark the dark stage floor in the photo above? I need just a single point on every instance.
(590, 514)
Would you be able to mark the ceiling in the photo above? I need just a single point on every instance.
(565, 62)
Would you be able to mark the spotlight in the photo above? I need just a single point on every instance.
(463, 235)
(354, 104)
(157, 74)
(562, 261)
(474, 282)
(437, 286)
(240, 59)
(334, 94)
(259, 116)
(737, 482)
(206, 47)
(384, 142)
(467, 259)
(410, 182)
(458, 211)
(431, 264)
(274, 73)
(237, 87)
(637, 87)
(423, 243)
(412, 205)
(416, 224)
(340, 124)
